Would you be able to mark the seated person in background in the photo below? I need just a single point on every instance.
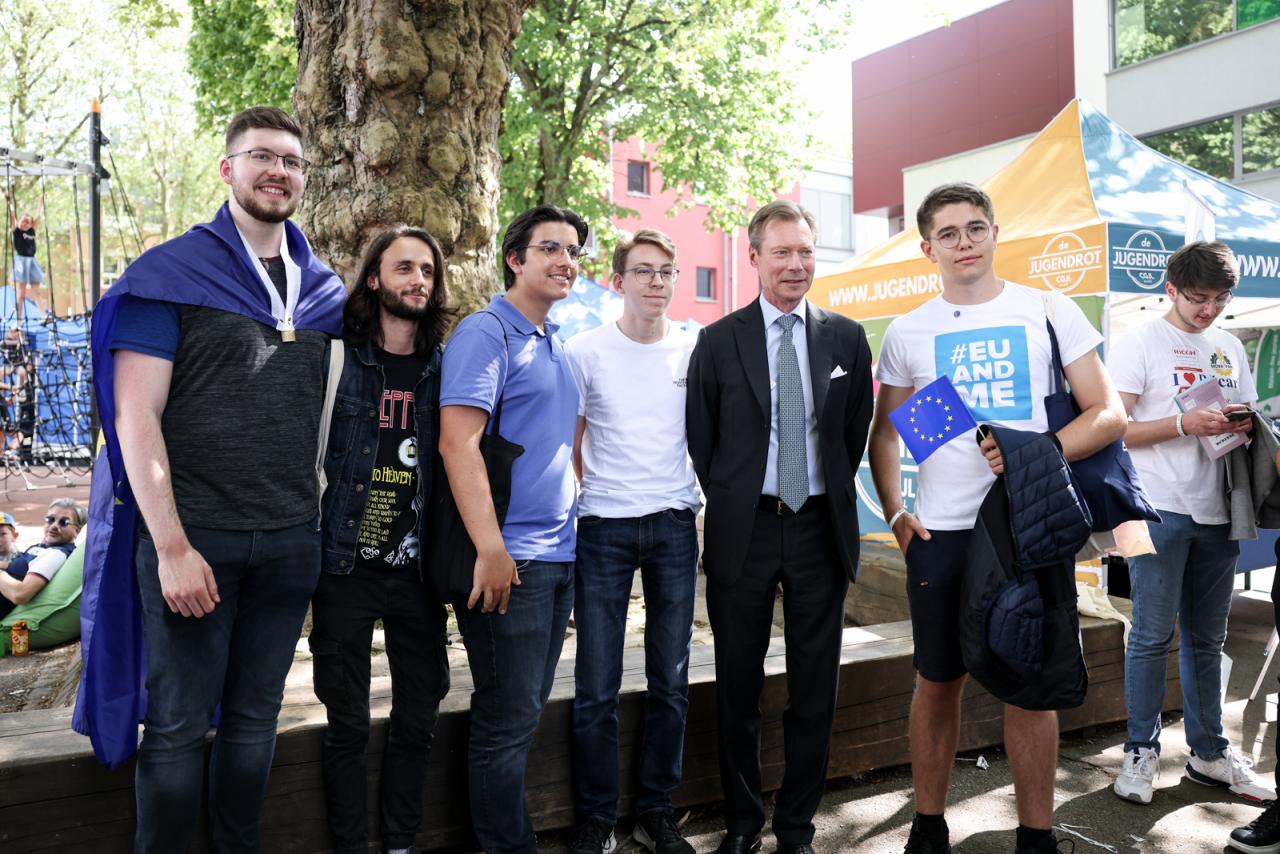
(26, 573)
(8, 538)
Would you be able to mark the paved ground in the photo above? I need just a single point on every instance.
(872, 814)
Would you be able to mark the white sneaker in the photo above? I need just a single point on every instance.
(1139, 771)
(1230, 770)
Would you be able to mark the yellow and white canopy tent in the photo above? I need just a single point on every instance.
(1088, 211)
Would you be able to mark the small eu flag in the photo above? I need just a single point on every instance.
(931, 417)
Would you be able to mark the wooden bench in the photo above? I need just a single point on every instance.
(54, 794)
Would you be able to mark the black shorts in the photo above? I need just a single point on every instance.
(935, 568)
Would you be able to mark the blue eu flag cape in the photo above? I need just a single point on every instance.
(207, 266)
(931, 417)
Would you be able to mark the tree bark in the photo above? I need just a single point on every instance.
(400, 103)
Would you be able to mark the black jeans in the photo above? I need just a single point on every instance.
(343, 613)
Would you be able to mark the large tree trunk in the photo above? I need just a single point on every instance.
(400, 103)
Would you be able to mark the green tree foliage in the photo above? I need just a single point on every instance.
(1146, 28)
(241, 53)
(1207, 147)
(711, 84)
(131, 56)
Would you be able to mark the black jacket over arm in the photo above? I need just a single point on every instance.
(728, 419)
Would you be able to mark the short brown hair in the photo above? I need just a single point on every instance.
(645, 236)
(783, 209)
(265, 118)
(952, 194)
(1203, 266)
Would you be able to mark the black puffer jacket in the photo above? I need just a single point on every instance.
(1019, 630)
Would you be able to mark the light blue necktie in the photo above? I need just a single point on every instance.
(793, 465)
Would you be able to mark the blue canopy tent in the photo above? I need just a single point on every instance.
(59, 350)
(590, 304)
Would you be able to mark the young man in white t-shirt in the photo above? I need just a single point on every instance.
(989, 336)
(637, 508)
(1190, 577)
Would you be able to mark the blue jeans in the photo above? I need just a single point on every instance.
(513, 660)
(239, 656)
(1189, 580)
(664, 545)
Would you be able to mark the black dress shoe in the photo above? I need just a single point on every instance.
(799, 848)
(739, 845)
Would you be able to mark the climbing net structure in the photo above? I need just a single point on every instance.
(45, 380)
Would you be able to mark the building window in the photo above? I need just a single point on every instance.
(706, 283)
(834, 212)
(1147, 28)
(1207, 147)
(1260, 141)
(638, 177)
(1211, 146)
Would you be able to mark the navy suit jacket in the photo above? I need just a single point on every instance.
(728, 417)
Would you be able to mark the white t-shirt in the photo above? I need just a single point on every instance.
(998, 356)
(1156, 362)
(635, 458)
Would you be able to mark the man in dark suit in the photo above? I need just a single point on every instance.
(778, 409)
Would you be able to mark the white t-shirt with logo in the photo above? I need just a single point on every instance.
(635, 458)
(1156, 362)
(998, 357)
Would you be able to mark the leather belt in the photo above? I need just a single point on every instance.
(773, 504)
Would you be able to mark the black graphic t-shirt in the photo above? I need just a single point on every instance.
(24, 242)
(388, 539)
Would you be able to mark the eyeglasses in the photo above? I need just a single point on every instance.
(552, 248)
(644, 275)
(264, 159)
(63, 521)
(1219, 301)
(949, 238)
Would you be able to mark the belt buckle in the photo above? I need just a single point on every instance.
(780, 506)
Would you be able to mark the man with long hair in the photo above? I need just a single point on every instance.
(378, 468)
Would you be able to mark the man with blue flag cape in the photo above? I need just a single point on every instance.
(203, 547)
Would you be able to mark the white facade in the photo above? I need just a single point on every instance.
(974, 166)
(1226, 76)
(827, 191)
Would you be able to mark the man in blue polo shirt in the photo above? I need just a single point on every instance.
(506, 357)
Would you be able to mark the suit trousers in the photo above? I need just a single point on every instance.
(799, 553)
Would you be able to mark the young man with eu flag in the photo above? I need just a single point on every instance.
(989, 337)
(209, 368)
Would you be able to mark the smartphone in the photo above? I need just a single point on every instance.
(1240, 414)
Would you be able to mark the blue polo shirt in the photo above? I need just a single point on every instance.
(539, 411)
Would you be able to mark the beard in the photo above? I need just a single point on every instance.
(395, 305)
(250, 204)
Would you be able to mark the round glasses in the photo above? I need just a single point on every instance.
(949, 238)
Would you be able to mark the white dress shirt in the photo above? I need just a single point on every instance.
(772, 339)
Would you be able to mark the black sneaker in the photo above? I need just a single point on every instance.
(657, 831)
(593, 836)
(936, 841)
(1050, 844)
(1260, 836)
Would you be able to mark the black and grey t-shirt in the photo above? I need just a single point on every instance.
(241, 423)
(389, 529)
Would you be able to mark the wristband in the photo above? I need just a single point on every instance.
(1177, 424)
(902, 511)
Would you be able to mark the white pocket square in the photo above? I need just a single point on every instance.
(838, 373)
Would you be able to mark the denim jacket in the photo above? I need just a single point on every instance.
(353, 451)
